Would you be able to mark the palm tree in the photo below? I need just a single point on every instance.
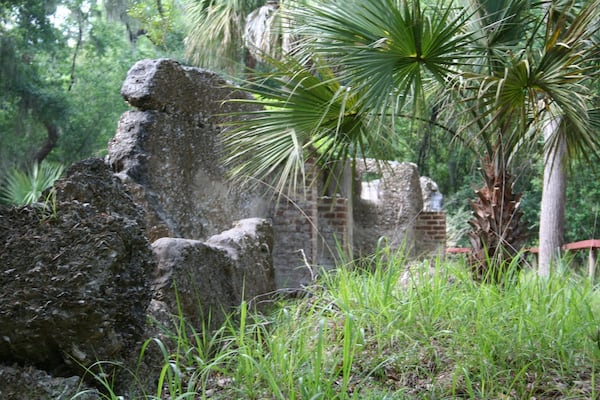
(542, 93)
(570, 121)
(225, 34)
(498, 76)
(349, 93)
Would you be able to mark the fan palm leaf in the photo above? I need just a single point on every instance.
(503, 70)
(545, 79)
(391, 51)
(302, 113)
(21, 188)
(545, 83)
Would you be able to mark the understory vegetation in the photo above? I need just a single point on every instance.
(394, 331)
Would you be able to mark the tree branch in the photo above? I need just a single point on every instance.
(50, 143)
(77, 47)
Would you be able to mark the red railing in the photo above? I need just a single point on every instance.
(592, 245)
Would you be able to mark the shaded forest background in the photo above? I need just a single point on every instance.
(62, 64)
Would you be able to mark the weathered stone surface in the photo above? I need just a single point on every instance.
(215, 276)
(28, 383)
(91, 181)
(389, 209)
(249, 244)
(168, 152)
(74, 275)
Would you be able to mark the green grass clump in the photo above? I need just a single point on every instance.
(393, 332)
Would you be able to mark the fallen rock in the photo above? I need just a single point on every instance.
(74, 275)
(249, 245)
(213, 277)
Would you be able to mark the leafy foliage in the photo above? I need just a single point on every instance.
(21, 188)
(497, 74)
(304, 113)
(158, 21)
(392, 52)
(216, 32)
(59, 85)
(32, 92)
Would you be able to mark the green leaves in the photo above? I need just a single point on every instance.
(215, 37)
(547, 82)
(301, 113)
(496, 72)
(391, 51)
(338, 97)
(22, 188)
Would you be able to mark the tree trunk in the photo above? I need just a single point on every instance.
(496, 236)
(552, 213)
(49, 145)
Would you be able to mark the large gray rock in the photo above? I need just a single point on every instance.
(168, 151)
(74, 275)
(214, 277)
(249, 245)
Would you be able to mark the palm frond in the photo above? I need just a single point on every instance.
(391, 51)
(565, 75)
(216, 30)
(304, 113)
(544, 83)
(21, 188)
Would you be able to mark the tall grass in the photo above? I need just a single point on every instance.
(426, 331)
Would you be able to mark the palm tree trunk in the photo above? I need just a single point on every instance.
(552, 215)
(497, 235)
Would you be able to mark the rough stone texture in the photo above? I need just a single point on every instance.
(390, 210)
(92, 182)
(215, 276)
(249, 244)
(74, 275)
(28, 383)
(168, 153)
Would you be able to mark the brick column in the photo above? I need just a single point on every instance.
(295, 224)
(334, 229)
(430, 232)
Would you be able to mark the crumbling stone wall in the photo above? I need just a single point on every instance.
(87, 287)
(168, 150)
(295, 227)
(295, 230)
(214, 276)
(391, 207)
(312, 230)
(335, 229)
(75, 275)
(168, 153)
